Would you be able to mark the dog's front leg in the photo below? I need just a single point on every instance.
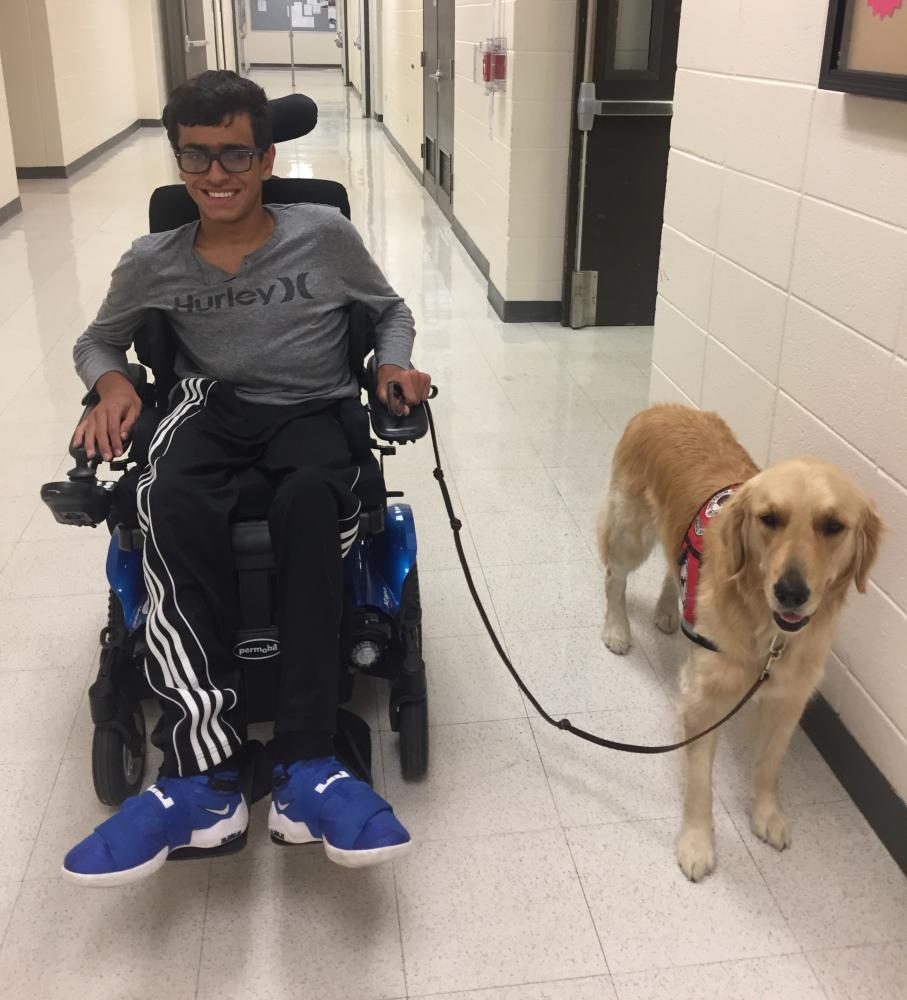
(616, 630)
(700, 707)
(778, 717)
(696, 842)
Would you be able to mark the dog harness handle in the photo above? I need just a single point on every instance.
(775, 651)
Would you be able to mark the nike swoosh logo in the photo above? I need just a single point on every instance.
(218, 812)
(282, 806)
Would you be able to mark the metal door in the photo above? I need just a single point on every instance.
(619, 160)
(438, 103)
(240, 23)
(185, 40)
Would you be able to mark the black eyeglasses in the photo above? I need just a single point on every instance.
(234, 161)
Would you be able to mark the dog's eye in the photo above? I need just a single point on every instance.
(831, 527)
(769, 519)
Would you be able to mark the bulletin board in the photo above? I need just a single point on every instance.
(308, 15)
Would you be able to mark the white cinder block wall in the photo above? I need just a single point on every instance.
(401, 39)
(783, 296)
(78, 73)
(541, 35)
(510, 181)
(91, 46)
(353, 35)
(9, 186)
(510, 174)
(30, 90)
(149, 62)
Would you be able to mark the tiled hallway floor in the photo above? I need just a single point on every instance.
(543, 868)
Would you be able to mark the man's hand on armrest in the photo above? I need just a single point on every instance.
(416, 385)
(109, 424)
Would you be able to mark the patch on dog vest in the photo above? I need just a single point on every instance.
(690, 563)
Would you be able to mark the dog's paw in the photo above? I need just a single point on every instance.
(667, 621)
(616, 638)
(769, 825)
(696, 853)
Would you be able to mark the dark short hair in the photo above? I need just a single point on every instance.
(215, 96)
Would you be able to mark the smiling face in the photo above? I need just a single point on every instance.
(224, 197)
(800, 530)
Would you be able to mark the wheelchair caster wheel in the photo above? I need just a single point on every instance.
(413, 729)
(117, 770)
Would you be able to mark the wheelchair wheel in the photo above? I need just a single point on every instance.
(413, 721)
(116, 769)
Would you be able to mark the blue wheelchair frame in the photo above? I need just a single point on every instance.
(375, 569)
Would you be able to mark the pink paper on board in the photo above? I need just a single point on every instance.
(885, 8)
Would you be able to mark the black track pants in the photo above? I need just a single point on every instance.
(185, 501)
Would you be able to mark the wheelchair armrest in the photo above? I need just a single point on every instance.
(138, 376)
(398, 430)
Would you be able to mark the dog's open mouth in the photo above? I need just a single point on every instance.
(790, 621)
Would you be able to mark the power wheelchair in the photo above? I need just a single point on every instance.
(381, 629)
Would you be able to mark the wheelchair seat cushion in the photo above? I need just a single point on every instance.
(256, 491)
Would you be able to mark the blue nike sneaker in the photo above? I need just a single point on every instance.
(204, 811)
(320, 800)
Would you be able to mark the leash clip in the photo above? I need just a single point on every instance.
(775, 652)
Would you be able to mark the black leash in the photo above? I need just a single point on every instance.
(564, 724)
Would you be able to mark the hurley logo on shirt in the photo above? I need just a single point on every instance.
(247, 297)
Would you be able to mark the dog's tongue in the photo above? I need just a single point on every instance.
(792, 617)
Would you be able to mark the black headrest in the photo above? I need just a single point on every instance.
(171, 207)
(292, 116)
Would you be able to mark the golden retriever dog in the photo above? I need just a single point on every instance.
(775, 566)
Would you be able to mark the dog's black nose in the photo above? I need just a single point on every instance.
(791, 590)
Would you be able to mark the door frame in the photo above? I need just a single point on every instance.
(574, 166)
(365, 58)
(173, 30)
(345, 48)
(583, 64)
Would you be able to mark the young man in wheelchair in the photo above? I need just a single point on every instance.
(258, 298)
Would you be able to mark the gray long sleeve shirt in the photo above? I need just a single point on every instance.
(276, 331)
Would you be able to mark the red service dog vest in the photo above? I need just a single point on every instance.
(690, 563)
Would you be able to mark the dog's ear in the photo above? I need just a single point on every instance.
(732, 524)
(869, 536)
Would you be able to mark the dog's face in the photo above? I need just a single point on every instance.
(801, 530)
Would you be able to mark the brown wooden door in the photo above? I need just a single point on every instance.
(619, 165)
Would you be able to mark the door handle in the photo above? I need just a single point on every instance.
(625, 109)
(192, 43)
(437, 76)
(588, 106)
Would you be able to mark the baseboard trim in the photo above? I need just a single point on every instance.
(478, 258)
(884, 809)
(401, 152)
(378, 118)
(151, 123)
(10, 209)
(39, 173)
(42, 173)
(522, 312)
